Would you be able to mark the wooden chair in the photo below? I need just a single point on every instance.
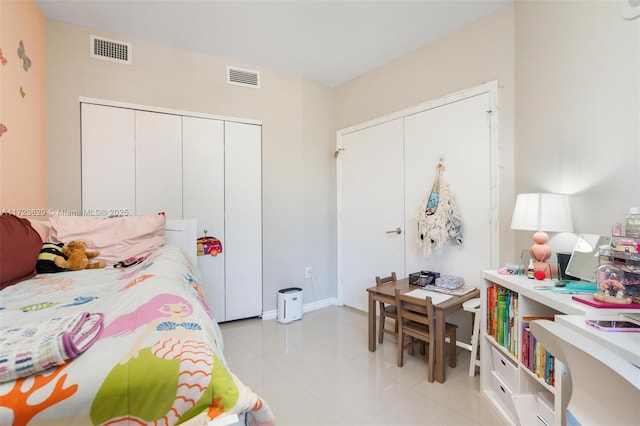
(416, 320)
(387, 311)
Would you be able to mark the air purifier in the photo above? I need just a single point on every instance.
(289, 304)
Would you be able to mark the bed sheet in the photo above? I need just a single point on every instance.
(158, 360)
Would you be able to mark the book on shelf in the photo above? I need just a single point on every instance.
(502, 317)
(534, 356)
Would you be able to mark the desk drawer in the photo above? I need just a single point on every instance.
(504, 395)
(505, 367)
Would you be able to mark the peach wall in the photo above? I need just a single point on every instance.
(23, 184)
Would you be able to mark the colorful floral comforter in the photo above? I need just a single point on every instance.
(157, 360)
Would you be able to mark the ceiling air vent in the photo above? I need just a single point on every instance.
(110, 50)
(242, 77)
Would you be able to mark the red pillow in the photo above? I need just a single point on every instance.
(20, 245)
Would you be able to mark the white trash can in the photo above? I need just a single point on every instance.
(289, 304)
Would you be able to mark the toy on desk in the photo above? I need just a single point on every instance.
(611, 287)
(209, 245)
(511, 269)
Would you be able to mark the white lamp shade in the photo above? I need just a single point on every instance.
(542, 212)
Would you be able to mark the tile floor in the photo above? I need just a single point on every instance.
(318, 371)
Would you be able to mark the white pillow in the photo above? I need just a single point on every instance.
(117, 238)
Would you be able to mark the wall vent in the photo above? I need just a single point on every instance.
(110, 50)
(242, 77)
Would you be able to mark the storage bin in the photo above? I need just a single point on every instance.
(545, 411)
(505, 367)
(504, 395)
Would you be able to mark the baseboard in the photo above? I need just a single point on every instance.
(308, 307)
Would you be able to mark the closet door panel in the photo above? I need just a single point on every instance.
(459, 133)
(108, 159)
(158, 164)
(203, 199)
(243, 220)
(372, 207)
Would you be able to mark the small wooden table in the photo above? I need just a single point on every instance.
(386, 293)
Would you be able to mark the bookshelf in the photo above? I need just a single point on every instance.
(526, 388)
(517, 375)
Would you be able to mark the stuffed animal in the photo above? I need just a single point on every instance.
(78, 257)
(47, 257)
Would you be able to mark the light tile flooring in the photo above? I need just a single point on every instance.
(318, 371)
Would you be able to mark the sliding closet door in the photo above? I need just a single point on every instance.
(108, 160)
(158, 155)
(372, 208)
(243, 220)
(203, 199)
(459, 133)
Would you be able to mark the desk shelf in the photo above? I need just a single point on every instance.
(548, 387)
(524, 385)
(516, 397)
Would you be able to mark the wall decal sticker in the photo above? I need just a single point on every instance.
(26, 62)
(22, 93)
(2, 58)
(3, 129)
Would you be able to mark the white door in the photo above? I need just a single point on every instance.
(371, 208)
(108, 160)
(459, 133)
(203, 198)
(158, 164)
(243, 220)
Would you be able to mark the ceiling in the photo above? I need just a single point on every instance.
(328, 41)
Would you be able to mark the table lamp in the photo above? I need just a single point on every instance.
(542, 212)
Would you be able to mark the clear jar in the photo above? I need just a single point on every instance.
(611, 281)
(632, 223)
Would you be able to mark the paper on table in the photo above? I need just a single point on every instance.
(435, 297)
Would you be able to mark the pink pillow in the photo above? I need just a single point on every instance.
(41, 227)
(116, 238)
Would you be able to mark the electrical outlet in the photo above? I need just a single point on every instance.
(307, 272)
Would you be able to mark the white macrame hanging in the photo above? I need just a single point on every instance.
(439, 219)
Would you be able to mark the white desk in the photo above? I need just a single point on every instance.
(602, 388)
(625, 344)
(522, 385)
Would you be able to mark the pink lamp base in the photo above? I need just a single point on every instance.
(541, 252)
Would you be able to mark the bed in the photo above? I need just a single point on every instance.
(134, 345)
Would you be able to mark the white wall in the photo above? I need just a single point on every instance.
(298, 139)
(569, 104)
(577, 69)
(569, 116)
(481, 52)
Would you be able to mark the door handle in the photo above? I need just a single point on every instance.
(395, 231)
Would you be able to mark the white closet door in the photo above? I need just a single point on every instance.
(159, 164)
(243, 220)
(203, 199)
(458, 132)
(372, 207)
(108, 160)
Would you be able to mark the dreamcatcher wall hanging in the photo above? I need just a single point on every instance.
(439, 219)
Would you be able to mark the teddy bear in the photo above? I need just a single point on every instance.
(47, 258)
(78, 257)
